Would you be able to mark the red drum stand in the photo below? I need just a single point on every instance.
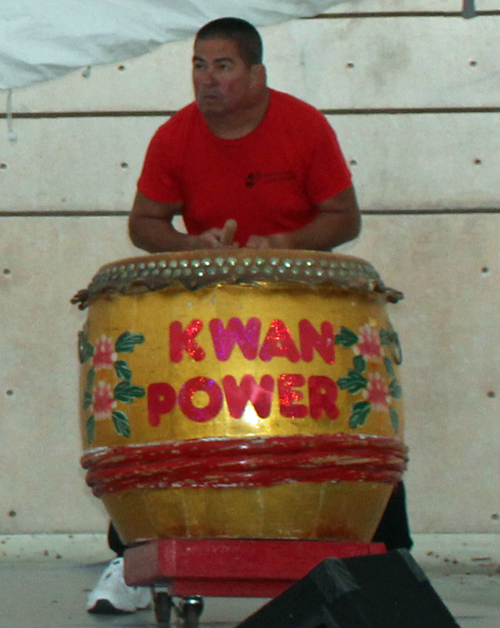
(193, 568)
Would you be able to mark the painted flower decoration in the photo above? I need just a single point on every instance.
(369, 345)
(377, 392)
(104, 354)
(103, 401)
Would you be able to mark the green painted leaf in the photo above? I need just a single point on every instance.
(121, 423)
(394, 419)
(91, 429)
(385, 337)
(90, 378)
(389, 367)
(360, 364)
(122, 369)
(126, 392)
(138, 392)
(395, 389)
(360, 412)
(87, 399)
(122, 392)
(391, 338)
(127, 341)
(346, 338)
(353, 383)
(85, 348)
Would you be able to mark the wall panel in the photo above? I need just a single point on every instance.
(74, 164)
(408, 6)
(160, 80)
(44, 262)
(333, 63)
(423, 161)
(426, 62)
(399, 162)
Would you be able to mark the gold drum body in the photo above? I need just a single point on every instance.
(241, 394)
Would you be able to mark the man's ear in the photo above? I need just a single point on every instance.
(258, 74)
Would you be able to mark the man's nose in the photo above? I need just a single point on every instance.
(209, 77)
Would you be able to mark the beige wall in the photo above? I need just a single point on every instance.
(414, 99)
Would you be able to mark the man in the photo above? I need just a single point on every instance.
(241, 152)
(245, 152)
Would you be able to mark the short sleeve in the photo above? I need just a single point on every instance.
(159, 180)
(328, 173)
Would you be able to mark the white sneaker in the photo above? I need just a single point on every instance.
(113, 596)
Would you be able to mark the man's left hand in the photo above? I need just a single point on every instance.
(275, 241)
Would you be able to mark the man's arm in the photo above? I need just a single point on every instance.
(151, 229)
(338, 221)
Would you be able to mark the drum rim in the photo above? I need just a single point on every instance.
(196, 269)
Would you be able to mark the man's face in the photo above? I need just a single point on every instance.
(223, 84)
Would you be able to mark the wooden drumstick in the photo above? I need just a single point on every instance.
(228, 232)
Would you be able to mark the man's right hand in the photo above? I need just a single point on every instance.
(151, 229)
(214, 239)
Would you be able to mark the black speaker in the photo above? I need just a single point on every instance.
(377, 591)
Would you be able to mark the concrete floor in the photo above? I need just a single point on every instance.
(44, 581)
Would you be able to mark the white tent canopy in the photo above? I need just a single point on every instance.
(43, 40)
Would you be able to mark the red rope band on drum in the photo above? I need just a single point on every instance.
(246, 462)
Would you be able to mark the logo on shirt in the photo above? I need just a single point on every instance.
(272, 177)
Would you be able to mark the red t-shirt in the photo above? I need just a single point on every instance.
(268, 181)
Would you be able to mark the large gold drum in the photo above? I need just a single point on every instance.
(241, 394)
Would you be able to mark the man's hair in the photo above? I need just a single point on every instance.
(242, 33)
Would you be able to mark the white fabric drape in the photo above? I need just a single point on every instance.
(40, 40)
